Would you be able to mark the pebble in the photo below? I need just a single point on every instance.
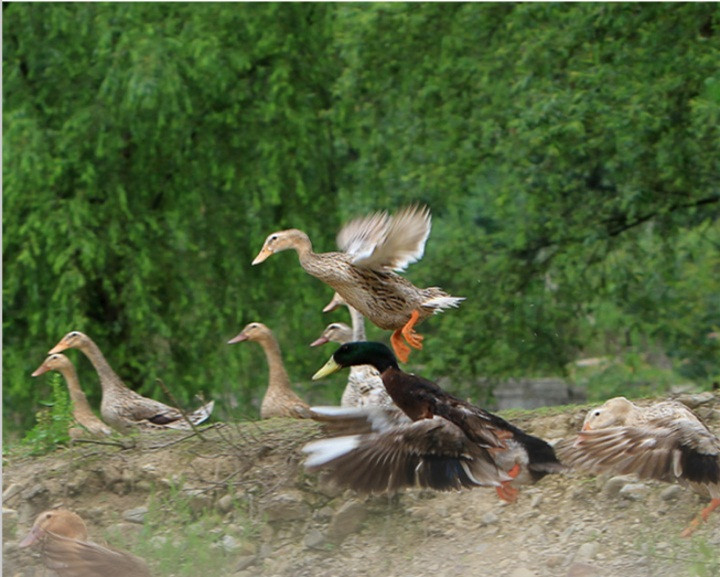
(614, 484)
(671, 493)
(136, 515)
(634, 491)
(489, 518)
(587, 551)
(225, 503)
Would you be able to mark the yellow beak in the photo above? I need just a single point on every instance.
(328, 369)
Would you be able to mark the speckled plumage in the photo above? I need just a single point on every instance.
(664, 441)
(374, 247)
(121, 407)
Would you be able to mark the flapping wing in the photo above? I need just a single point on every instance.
(384, 242)
(431, 453)
(665, 449)
(73, 558)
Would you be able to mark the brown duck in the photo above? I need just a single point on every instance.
(664, 441)
(363, 274)
(450, 443)
(279, 400)
(63, 539)
(82, 413)
(122, 407)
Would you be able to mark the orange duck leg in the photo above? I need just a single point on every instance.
(506, 492)
(402, 351)
(703, 516)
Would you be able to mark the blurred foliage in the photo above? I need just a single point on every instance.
(570, 154)
(52, 422)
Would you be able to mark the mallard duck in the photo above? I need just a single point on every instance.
(122, 407)
(453, 442)
(279, 399)
(63, 537)
(663, 441)
(82, 413)
(373, 247)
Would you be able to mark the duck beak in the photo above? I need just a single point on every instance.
(333, 304)
(330, 367)
(262, 255)
(586, 427)
(241, 337)
(320, 341)
(58, 348)
(31, 538)
(40, 370)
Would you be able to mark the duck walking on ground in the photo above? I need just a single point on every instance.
(122, 407)
(450, 443)
(665, 441)
(279, 400)
(67, 550)
(82, 413)
(363, 274)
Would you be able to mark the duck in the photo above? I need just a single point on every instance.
(279, 400)
(364, 386)
(664, 441)
(373, 248)
(449, 443)
(67, 550)
(86, 420)
(121, 407)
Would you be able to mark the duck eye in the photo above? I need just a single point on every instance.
(273, 237)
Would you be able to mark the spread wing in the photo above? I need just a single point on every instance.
(431, 453)
(665, 449)
(74, 558)
(383, 242)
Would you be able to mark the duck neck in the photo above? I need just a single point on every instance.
(81, 407)
(108, 378)
(277, 375)
(358, 325)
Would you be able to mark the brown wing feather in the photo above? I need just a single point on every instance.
(74, 558)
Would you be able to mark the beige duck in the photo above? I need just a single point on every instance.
(279, 399)
(66, 549)
(663, 441)
(363, 274)
(122, 407)
(364, 387)
(82, 413)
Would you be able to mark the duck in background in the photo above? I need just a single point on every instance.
(66, 549)
(82, 413)
(279, 400)
(121, 407)
(449, 444)
(665, 441)
(373, 248)
(364, 387)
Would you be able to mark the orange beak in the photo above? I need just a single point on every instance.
(586, 427)
(58, 348)
(262, 255)
(40, 370)
(238, 339)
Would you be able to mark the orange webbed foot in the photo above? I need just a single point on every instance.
(408, 331)
(402, 351)
(507, 493)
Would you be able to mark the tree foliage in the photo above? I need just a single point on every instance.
(570, 154)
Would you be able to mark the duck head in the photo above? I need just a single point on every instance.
(611, 414)
(56, 362)
(72, 340)
(252, 332)
(58, 522)
(358, 353)
(334, 333)
(281, 240)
